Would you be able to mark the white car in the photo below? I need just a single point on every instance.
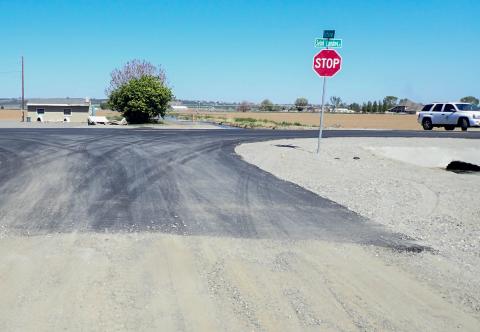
(449, 116)
(93, 120)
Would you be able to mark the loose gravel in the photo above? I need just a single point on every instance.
(402, 184)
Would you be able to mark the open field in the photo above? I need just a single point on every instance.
(350, 121)
(108, 113)
(10, 115)
(279, 120)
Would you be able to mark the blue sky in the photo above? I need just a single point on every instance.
(245, 50)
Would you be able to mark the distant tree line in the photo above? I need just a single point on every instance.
(266, 105)
(301, 104)
(380, 106)
(335, 102)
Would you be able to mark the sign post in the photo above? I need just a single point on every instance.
(320, 130)
(326, 63)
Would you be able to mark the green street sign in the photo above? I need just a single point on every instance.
(332, 43)
(329, 34)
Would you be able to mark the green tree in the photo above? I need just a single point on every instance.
(356, 107)
(380, 106)
(335, 102)
(375, 106)
(364, 108)
(471, 100)
(390, 101)
(266, 106)
(385, 107)
(301, 103)
(141, 99)
(369, 107)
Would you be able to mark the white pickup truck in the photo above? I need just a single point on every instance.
(449, 116)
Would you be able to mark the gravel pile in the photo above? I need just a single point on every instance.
(402, 184)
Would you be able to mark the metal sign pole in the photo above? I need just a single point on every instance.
(320, 132)
(326, 64)
(321, 116)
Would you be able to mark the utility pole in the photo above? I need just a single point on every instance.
(23, 90)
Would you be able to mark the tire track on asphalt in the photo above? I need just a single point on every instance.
(188, 183)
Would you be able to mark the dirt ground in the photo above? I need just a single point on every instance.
(106, 113)
(78, 251)
(10, 115)
(155, 282)
(354, 121)
(400, 183)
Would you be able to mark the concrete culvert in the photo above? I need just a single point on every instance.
(462, 167)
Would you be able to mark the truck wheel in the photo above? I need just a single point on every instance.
(427, 124)
(463, 122)
(449, 127)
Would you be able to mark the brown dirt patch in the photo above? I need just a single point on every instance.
(10, 115)
(107, 113)
(364, 121)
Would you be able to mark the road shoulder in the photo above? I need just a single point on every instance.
(399, 195)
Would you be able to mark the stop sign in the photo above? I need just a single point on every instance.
(327, 63)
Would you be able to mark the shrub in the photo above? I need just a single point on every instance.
(266, 106)
(301, 103)
(141, 99)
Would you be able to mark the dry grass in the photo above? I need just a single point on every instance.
(10, 115)
(107, 113)
(367, 121)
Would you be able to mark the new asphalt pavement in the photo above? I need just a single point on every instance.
(187, 182)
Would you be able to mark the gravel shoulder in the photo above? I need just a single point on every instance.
(397, 182)
(152, 282)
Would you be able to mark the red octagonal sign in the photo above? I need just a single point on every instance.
(327, 63)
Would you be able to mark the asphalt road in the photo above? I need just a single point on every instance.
(187, 182)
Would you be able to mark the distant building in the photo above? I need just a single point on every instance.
(402, 109)
(340, 110)
(58, 110)
(179, 108)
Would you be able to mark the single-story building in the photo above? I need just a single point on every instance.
(58, 110)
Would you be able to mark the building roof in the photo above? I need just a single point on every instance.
(59, 102)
